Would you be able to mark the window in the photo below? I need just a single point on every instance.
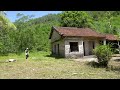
(101, 42)
(73, 46)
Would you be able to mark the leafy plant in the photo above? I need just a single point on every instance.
(103, 53)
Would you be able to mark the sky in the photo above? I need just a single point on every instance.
(12, 14)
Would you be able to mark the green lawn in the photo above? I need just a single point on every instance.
(41, 66)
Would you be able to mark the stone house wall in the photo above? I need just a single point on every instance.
(84, 50)
(69, 54)
(55, 40)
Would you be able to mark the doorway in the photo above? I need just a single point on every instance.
(84, 48)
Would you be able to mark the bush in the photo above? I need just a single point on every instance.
(116, 51)
(103, 53)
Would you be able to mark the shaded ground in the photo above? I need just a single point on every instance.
(87, 58)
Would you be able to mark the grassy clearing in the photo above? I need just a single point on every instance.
(41, 66)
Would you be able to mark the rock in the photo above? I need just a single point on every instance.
(74, 74)
(11, 60)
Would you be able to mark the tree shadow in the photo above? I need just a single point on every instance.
(95, 64)
(54, 56)
(114, 68)
(109, 68)
(3, 62)
(117, 60)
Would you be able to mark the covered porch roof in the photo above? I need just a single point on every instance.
(112, 37)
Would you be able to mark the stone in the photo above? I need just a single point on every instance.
(74, 74)
(11, 60)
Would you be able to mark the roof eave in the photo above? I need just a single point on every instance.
(53, 28)
(84, 36)
(51, 32)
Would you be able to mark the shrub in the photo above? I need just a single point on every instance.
(103, 53)
(116, 51)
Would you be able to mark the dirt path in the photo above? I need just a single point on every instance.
(93, 58)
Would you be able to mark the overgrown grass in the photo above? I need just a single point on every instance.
(41, 66)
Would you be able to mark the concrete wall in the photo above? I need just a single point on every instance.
(55, 36)
(68, 53)
(61, 48)
(96, 43)
(88, 44)
(91, 44)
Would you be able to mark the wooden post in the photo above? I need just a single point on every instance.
(104, 42)
(118, 45)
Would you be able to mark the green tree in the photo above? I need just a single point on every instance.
(34, 33)
(5, 22)
(106, 21)
(4, 42)
(5, 28)
(76, 19)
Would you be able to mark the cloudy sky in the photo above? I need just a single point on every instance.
(12, 14)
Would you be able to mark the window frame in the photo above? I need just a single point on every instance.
(74, 47)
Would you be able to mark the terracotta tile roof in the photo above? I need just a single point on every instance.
(73, 31)
(111, 37)
(84, 32)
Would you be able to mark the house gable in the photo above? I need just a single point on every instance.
(54, 35)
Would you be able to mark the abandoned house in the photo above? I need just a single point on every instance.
(73, 42)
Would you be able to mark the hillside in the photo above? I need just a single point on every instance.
(34, 33)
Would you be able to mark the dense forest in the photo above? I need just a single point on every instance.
(33, 33)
